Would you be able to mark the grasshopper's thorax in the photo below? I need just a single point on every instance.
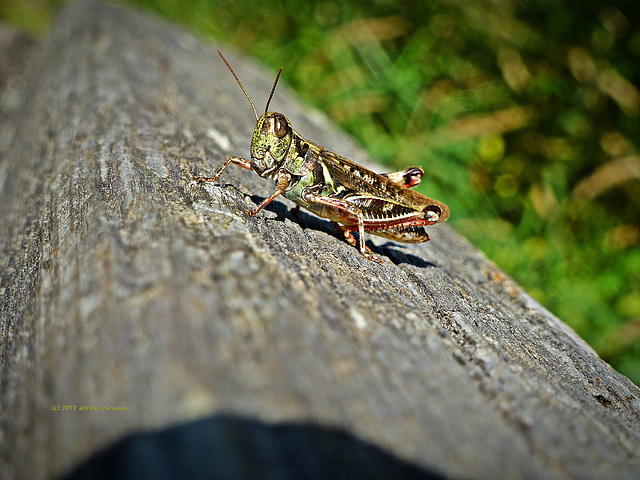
(270, 143)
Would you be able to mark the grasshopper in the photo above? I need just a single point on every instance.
(351, 196)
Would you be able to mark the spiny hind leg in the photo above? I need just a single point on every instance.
(348, 210)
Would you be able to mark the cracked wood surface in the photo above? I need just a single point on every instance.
(125, 283)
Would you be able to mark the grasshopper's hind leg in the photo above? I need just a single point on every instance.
(409, 177)
(346, 209)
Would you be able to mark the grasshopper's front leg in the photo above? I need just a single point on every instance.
(281, 186)
(237, 160)
(348, 209)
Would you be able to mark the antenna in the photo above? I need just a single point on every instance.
(273, 89)
(240, 83)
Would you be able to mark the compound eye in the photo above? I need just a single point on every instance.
(280, 125)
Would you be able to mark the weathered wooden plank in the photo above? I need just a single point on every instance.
(15, 50)
(126, 284)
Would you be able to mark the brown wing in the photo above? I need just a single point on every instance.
(363, 180)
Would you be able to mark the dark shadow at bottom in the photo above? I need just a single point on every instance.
(232, 447)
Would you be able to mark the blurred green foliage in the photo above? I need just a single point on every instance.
(525, 116)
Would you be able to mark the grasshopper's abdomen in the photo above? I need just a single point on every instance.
(380, 216)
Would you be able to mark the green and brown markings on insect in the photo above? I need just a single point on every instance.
(351, 196)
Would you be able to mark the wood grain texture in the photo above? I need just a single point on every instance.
(125, 283)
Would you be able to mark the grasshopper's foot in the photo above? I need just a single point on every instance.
(369, 255)
(205, 179)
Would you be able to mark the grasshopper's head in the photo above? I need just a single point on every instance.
(271, 137)
(270, 143)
